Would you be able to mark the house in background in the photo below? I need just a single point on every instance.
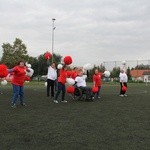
(140, 75)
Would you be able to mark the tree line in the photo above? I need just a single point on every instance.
(12, 53)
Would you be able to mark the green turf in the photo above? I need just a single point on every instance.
(111, 123)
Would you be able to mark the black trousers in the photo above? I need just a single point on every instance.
(122, 92)
(50, 84)
(87, 91)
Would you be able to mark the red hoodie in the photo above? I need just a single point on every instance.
(19, 75)
(62, 77)
(97, 79)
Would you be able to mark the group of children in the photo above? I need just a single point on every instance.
(79, 77)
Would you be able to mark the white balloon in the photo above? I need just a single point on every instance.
(84, 77)
(59, 66)
(30, 73)
(70, 81)
(45, 84)
(29, 66)
(3, 82)
(87, 66)
(124, 62)
(26, 63)
(124, 68)
(71, 66)
(107, 74)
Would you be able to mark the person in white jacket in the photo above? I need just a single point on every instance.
(80, 82)
(123, 82)
(51, 78)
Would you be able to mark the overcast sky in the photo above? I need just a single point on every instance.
(91, 31)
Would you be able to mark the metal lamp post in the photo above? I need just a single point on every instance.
(53, 28)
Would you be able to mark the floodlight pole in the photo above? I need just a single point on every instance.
(53, 28)
(137, 69)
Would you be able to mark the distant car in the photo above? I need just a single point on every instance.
(43, 77)
(106, 79)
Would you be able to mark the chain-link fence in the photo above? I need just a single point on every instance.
(138, 69)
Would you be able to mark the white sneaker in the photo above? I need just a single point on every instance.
(23, 104)
(64, 101)
(55, 101)
(125, 95)
(121, 95)
(13, 106)
(99, 97)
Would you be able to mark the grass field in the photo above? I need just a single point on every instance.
(111, 123)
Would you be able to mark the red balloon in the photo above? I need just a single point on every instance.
(68, 60)
(47, 55)
(95, 89)
(3, 71)
(70, 89)
(124, 88)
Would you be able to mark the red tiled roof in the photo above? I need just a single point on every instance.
(138, 73)
(146, 73)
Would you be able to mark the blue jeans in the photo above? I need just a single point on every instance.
(98, 93)
(61, 88)
(18, 91)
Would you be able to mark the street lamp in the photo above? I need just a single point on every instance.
(53, 28)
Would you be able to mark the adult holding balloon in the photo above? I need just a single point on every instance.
(19, 77)
(123, 82)
(51, 76)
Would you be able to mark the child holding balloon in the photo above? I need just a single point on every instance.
(97, 82)
(63, 74)
(61, 85)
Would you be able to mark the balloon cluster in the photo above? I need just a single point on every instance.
(3, 71)
(67, 60)
(29, 72)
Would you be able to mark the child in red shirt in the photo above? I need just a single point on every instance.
(97, 81)
(61, 84)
